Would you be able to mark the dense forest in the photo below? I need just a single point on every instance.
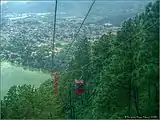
(120, 73)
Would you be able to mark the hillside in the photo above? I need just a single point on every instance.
(115, 76)
(110, 9)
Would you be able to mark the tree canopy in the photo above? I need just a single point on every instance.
(120, 74)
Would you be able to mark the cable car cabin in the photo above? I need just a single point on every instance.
(79, 86)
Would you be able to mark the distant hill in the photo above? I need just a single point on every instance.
(74, 7)
(112, 10)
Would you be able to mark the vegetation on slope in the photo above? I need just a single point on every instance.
(121, 78)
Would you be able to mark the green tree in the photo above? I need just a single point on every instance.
(27, 102)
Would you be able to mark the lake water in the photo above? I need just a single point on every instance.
(13, 75)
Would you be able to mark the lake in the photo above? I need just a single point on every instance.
(13, 75)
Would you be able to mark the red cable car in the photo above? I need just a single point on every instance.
(79, 86)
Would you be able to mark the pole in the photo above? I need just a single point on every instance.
(54, 32)
(55, 78)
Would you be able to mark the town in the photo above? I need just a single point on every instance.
(29, 36)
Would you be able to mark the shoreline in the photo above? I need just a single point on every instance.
(24, 67)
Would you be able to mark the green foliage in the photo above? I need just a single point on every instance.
(27, 102)
(120, 74)
(130, 77)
